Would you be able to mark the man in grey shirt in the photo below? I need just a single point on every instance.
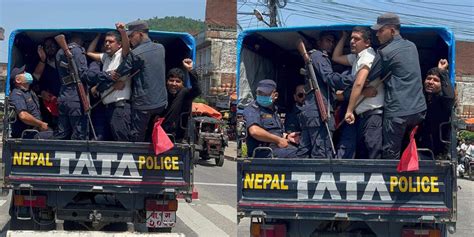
(149, 96)
(405, 105)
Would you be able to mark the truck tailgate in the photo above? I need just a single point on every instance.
(345, 189)
(89, 165)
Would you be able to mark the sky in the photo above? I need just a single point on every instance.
(57, 14)
(458, 15)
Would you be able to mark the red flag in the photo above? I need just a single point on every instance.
(409, 159)
(52, 105)
(161, 141)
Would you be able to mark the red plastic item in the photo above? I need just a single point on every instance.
(409, 159)
(161, 142)
(52, 106)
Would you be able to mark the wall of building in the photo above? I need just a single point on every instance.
(465, 78)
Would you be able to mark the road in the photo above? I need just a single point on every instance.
(465, 223)
(212, 214)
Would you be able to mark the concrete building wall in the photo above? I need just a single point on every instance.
(465, 78)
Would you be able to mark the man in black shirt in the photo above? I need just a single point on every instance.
(439, 95)
(405, 105)
(180, 99)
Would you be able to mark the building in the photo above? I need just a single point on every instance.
(465, 78)
(216, 50)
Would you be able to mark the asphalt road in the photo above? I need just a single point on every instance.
(212, 214)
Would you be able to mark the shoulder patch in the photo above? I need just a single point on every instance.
(266, 116)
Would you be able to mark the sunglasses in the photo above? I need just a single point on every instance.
(300, 95)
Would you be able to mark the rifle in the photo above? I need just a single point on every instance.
(313, 83)
(73, 73)
(110, 92)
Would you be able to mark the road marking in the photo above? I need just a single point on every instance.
(2, 202)
(198, 223)
(216, 184)
(225, 210)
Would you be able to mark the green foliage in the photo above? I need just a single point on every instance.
(176, 24)
(466, 135)
(200, 100)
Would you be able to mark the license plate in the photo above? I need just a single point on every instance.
(156, 219)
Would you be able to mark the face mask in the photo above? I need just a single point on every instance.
(265, 101)
(29, 78)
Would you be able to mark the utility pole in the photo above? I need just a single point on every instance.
(272, 7)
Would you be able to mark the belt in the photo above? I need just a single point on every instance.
(120, 103)
(370, 112)
(67, 80)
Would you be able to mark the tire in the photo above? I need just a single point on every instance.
(220, 161)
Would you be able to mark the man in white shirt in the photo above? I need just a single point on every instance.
(115, 99)
(369, 110)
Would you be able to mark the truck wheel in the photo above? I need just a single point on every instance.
(16, 224)
(220, 161)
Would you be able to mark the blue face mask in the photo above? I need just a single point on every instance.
(265, 101)
(29, 78)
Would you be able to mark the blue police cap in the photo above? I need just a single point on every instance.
(138, 25)
(266, 86)
(16, 71)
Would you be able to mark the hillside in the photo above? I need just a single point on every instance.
(177, 24)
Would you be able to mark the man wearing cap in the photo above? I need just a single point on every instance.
(264, 126)
(26, 107)
(72, 122)
(315, 140)
(405, 105)
(149, 97)
(180, 99)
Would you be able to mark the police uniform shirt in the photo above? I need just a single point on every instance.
(357, 61)
(265, 118)
(404, 89)
(327, 79)
(24, 101)
(149, 85)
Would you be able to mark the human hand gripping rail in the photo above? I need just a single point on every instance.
(323, 112)
(73, 72)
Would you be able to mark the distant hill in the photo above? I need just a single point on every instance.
(177, 24)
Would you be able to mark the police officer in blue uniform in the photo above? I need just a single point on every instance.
(26, 107)
(149, 97)
(292, 123)
(315, 141)
(264, 126)
(72, 122)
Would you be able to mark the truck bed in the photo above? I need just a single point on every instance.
(358, 190)
(118, 167)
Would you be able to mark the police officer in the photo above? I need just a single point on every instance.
(292, 124)
(264, 125)
(405, 105)
(26, 107)
(149, 97)
(315, 140)
(72, 122)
